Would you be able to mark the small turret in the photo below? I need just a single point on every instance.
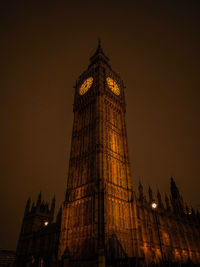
(174, 190)
(28, 204)
(150, 195)
(140, 189)
(39, 199)
(176, 198)
(160, 203)
(53, 204)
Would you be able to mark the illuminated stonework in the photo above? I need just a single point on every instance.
(98, 208)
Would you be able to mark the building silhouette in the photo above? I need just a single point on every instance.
(103, 221)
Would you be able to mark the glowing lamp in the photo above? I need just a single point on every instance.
(46, 223)
(154, 205)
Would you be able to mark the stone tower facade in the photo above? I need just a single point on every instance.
(98, 220)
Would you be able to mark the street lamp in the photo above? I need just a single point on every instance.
(154, 206)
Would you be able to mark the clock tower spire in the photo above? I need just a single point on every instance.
(99, 55)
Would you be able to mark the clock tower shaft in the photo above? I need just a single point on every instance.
(97, 215)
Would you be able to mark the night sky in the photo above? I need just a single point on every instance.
(44, 47)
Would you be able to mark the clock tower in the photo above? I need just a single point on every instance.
(97, 225)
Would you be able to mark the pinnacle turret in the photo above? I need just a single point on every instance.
(39, 198)
(174, 189)
(28, 203)
(150, 194)
(53, 204)
(140, 189)
(159, 199)
(176, 198)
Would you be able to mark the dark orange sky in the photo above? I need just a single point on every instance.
(154, 45)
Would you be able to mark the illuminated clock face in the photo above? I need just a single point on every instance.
(85, 86)
(113, 86)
